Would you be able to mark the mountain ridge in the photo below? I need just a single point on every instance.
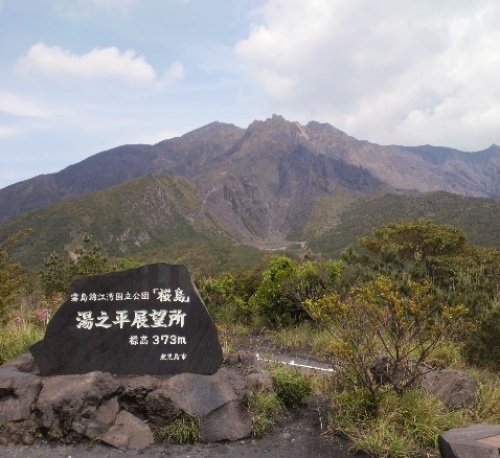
(262, 182)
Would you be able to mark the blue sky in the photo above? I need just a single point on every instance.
(81, 76)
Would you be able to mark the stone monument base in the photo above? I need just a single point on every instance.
(120, 410)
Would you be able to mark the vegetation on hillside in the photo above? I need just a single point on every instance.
(154, 218)
(162, 218)
(478, 217)
(61, 271)
(12, 277)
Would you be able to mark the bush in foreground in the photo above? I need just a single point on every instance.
(291, 386)
(405, 326)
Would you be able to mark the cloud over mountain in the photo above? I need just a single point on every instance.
(100, 63)
(387, 71)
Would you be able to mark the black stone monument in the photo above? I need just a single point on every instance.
(149, 320)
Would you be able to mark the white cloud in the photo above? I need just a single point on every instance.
(8, 132)
(390, 71)
(16, 105)
(98, 64)
(174, 73)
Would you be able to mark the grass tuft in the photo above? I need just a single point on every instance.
(399, 427)
(265, 408)
(304, 336)
(292, 386)
(16, 338)
(184, 430)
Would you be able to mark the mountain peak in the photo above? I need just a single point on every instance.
(278, 127)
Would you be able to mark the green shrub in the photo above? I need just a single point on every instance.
(291, 386)
(295, 337)
(448, 354)
(286, 284)
(264, 407)
(378, 318)
(226, 296)
(305, 336)
(384, 441)
(351, 406)
(12, 276)
(184, 430)
(16, 338)
(483, 346)
(488, 406)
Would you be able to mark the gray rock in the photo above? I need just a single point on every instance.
(24, 363)
(104, 417)
(230, 422)
(456, 389)
(118, 410)
(198, 395)
(218, 400)
(463, 442)
(18, 391)
(135, 391)
(160, 408)
(64, 397)
(128, 432)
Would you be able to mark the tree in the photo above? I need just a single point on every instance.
(423, 251)
(63, 270)
(12, 276)
(286, 284)
(382, 335)
(417, 244)
(227, 295)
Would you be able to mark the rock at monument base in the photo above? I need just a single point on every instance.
(18, 390)
(160, 407)
(229, 422)
(96, 423)
(128, 432)
(122, 411)
(197, 395)
(62, 399)
(463, 442)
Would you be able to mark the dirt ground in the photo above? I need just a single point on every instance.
(299, 435)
